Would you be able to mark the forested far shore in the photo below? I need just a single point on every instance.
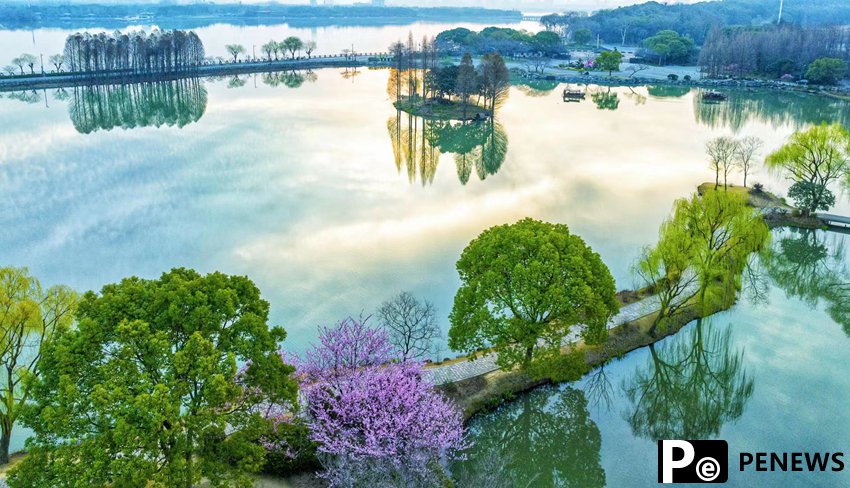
(630, 25)
(22, 16)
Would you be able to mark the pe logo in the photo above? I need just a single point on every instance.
(692, 461)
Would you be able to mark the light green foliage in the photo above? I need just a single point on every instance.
(29, 316)
(826, 71)
(25, 60)
(819, 155)
(523, 287)
(146, 391)
(609, 61)
(702, 252)
(670, 46)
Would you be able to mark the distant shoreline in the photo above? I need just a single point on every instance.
(83, 16)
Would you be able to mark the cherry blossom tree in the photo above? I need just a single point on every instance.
(375, 419)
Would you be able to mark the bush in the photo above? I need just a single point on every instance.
(298, 456)
(560, 367)
(826, 71)
(758, 188)
(687, 78)
(673, 77)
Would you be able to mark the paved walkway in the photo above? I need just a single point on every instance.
(466, 369)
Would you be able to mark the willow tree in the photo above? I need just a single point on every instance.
(819, 155)
(702, 252)
(524, 287)
(29, 316)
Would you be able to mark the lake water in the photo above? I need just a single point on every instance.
(317, 189)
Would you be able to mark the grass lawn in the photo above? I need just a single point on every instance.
(439, 109)
(755, 199)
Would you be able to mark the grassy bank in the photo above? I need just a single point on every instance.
(441, 109)
(483, 393)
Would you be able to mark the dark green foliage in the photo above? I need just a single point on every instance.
(298, 457)
(811, 197)
(668, 47)
(632, 24)
(582, 36)
(503, 40)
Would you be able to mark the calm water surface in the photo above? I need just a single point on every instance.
(316, 188)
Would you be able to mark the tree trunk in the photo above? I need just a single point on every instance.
(529, 352)
(716, 179)
(5, 437)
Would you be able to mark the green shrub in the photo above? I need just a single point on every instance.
(560, 367)
(300, 454)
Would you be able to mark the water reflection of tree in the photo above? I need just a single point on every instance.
(545, 438)
(289, 79)
(418, 144)
(809, 265)
(771, 107)
(176, 102)
(606, 99)
(668, 91)
(689, 388)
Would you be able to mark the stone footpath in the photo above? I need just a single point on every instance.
(452, 373)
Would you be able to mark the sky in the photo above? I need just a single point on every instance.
(525, 5)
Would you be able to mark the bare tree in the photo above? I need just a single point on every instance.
(634, 69)
(412, 324)
(721, 152)
(745, 154)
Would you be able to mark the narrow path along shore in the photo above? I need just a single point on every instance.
(203, 70)
(470, 368)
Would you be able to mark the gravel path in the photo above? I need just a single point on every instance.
(466, 369)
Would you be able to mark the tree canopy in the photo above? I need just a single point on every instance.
(30, 316)
(523, 287)
(148, 387)
(819, 155)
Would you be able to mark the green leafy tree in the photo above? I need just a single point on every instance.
(235, 50)
(582, 37)
(826, 71)
(609, 61)
(811, 196)
(702, 252)
(669, 46)
(293, 45)
(524, 286)
(29, 317)
(147, 390)
(819, 155)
